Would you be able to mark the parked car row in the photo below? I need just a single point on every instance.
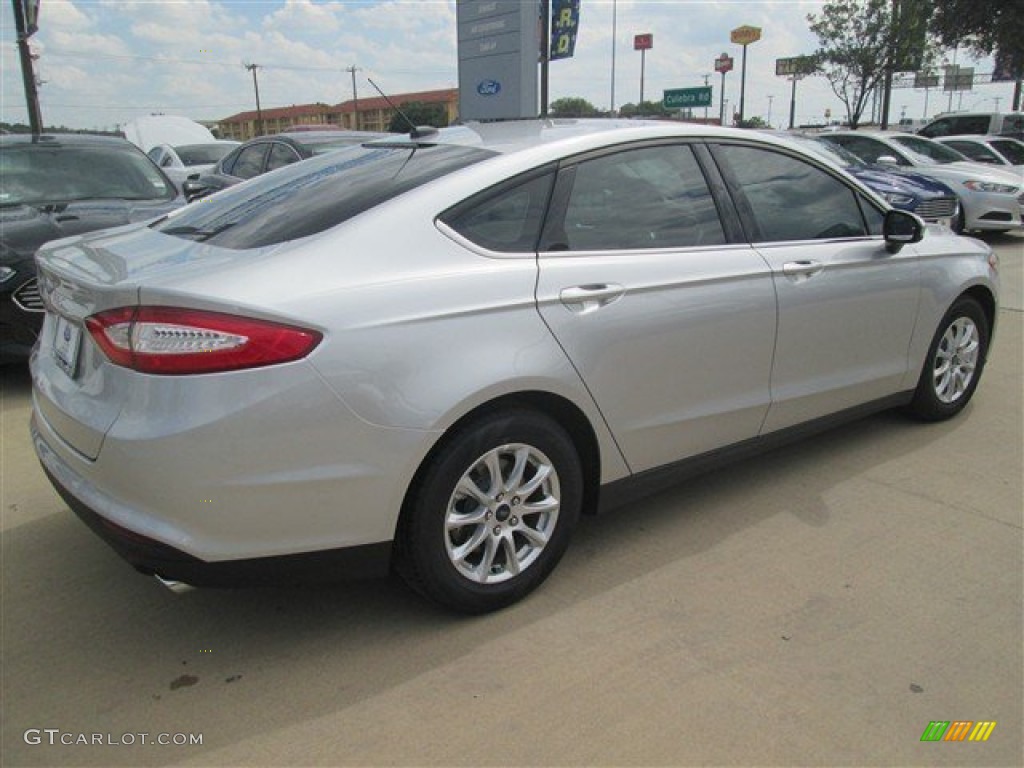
(433, 353)
(991, 199)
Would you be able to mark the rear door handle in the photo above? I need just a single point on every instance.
(587, 298)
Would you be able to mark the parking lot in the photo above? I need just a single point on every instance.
(819, 605)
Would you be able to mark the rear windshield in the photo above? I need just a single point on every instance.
(309, 197)
(33, 174)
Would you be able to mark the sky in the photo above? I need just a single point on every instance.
(103, 62)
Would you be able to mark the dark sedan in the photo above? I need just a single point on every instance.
(55, 186)
(267, 153)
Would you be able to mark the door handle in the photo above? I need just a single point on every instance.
(586, 298)
(802, 270)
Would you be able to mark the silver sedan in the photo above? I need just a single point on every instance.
(434, 353)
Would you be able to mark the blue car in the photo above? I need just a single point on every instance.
(930, 199)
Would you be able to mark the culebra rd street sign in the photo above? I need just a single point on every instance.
(685, 98)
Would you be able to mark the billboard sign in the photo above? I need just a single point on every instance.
(795, 66)
(745, 35)
(643, 42)
(497, 46)
(724, 63)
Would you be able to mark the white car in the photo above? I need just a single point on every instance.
(186, 160)
(990, 199)
(998, 151)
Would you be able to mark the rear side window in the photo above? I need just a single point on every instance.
(280, 156)
(653, 197)
(507, 220)
(310, 197)
(790, 198)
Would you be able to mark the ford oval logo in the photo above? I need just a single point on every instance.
(488, 88)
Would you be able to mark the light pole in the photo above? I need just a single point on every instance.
(770, 99)
(614, 22)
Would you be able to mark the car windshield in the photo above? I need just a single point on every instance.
(37, 173)
(932, 150)
(844, 158)
(203, 154)
(1011, 150)
(310, 197)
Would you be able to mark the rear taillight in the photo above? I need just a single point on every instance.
(169, 340)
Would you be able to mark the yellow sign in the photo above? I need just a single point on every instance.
(745, 35)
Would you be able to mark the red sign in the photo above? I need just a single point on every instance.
(723, 63)
(643, 42)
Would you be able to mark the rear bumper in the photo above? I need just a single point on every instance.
(153, 557)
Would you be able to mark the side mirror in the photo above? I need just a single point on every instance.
(901, 228)
(193, 188)
(887, 160)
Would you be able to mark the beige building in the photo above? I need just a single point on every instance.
(371, 114)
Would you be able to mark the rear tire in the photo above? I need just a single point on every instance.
(492, 512)
(954, 363)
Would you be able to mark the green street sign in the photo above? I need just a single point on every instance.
(684, 98)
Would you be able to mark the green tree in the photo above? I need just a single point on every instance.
(985, 27)
(572, 106)
(860, 41)
(753, 122)
(420, 114)
(644, 109)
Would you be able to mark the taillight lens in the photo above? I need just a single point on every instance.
(169, 340)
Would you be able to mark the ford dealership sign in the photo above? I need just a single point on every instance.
(489, 88)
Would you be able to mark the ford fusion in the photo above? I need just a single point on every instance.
(433, 353)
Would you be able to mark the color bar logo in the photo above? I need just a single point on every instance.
(958, 730)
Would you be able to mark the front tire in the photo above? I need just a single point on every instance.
(492, 512)
(954, 364)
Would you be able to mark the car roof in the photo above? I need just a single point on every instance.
(318, 137)
(62, 139)
(512, 136)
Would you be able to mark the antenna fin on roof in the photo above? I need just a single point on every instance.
(418, 131)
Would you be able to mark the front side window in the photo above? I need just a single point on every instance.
(790, 198)
(653, 197)
(281, 155)
(249, 162)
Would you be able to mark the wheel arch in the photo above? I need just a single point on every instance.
(987, 300)
(562, 411)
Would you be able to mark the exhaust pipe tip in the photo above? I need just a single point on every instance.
(177, 587)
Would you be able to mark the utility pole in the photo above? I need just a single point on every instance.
(255, 84)
(24, 29)
(706, 78)
(614, 25)
(355, 97)
(545, 53)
